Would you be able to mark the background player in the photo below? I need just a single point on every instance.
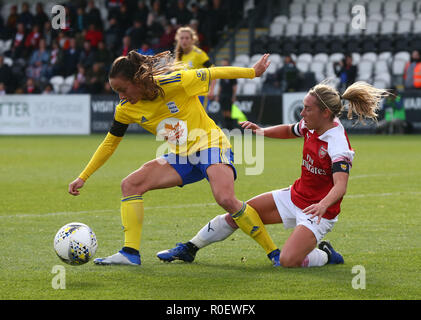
(312, 203)
(187, 51)
(167, 106)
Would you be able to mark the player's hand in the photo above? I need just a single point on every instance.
(261, 65)
(252, 126)
(316, 210)
(75, 186)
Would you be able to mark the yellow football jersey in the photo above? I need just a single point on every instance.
(178, 117)
(196, 59)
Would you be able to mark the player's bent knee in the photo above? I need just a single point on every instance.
(129, 187)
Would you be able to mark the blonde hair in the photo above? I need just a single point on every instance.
(178, 50)
(363, 99)
(141, 70)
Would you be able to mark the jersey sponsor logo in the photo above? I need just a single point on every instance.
(172, 107)
(322, 152)
(143, 119)
(172, 130)
(201, 74)
(308, 163)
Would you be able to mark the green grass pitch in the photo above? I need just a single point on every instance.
(378, 228)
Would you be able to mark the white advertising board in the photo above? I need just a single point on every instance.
(45, 114)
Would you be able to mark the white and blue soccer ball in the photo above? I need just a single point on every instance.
(75, 243)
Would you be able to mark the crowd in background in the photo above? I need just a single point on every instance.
(89, 43)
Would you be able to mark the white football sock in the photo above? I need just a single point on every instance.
(217, 229)
(315, 258)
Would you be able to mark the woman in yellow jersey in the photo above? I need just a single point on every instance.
(187, 51)
(160, 96)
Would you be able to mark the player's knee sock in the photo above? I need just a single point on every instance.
(315, 258)
(249, 221)
(216, 230)
(132, 220)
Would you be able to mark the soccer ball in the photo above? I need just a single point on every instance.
(75, 243)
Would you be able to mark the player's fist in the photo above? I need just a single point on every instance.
(75, 186)
(261, 65)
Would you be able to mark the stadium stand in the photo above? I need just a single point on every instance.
(96, 32)
(315, 33)
(322, 29)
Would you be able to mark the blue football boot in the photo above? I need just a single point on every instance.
(180, 252)
(333, 257)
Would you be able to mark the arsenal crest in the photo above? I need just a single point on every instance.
(322, 152)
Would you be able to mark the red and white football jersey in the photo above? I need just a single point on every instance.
(320, 154)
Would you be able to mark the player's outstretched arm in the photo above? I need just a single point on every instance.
(101, 155)
(282, 131)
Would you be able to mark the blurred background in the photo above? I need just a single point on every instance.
(309, 41)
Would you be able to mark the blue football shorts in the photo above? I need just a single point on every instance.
(192, 168)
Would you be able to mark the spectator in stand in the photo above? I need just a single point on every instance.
(48, 33)
(77, 87)
(95, 79)
(181, 14)
(142, 11)
(32, 39)
(38, 64)
(63, 40)
(93, 35)
(137, 34)
(87, 55)
(346, 71)
(156, 18)
(113, 6)
(6, 76)
(70, 59)
(217, 19)
(103, 56)
(126, 46)
(81, 74)
(31, 86)
(124, 18)
(94, 15)
(288, 75)
(412, 72)
(12, 19)
(81, 21)
(40, 17)
(18, 46)
(146, 49)
(56, 56)
(113, 35)
(26, 17)
(166, 41)
(48, 89)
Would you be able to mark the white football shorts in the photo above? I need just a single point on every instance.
(293, 216)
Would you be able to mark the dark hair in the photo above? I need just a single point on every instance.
(141, 70)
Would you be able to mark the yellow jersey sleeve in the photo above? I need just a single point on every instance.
(101, 155)
(196, 82)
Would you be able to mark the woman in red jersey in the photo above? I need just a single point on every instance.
(312, 204)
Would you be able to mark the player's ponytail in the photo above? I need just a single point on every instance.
(141, 70)
(363, 100)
